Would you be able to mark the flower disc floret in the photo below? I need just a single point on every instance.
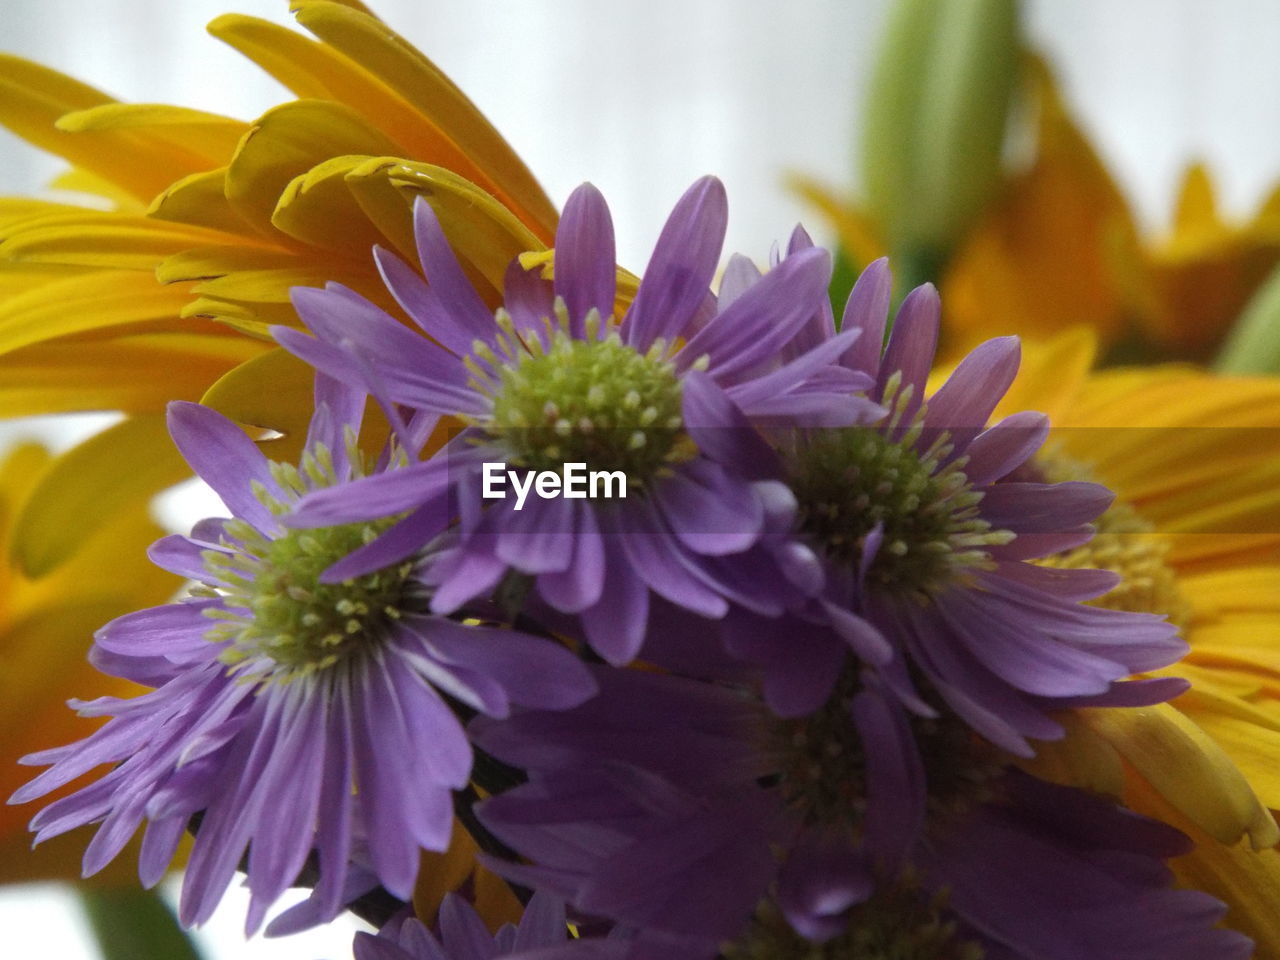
(596, 401)
(275, 603)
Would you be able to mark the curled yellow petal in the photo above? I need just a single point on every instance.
(287, 141)
(1184, 765)
(477, 144)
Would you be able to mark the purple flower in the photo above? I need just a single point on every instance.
(670, 396)
(276, 695)
(926, 532)
(463, 935)
(692, 815)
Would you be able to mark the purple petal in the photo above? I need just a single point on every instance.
(683, 264)
(911, 346)
(867, 309)
(226, 459)
(757, 325)
(1002, 448)
(472, 318)
(974, 388)
(586, 261)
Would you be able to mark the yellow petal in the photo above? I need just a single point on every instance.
(317, 208)
(286, 142)
(483, 233)
(210, 137)
(88, 482)
(1185, 766)
(1058, 249)
(1252, 748)
(1206, 271)
(217, 260)
(1081, 759)
(100, 240)
(1052, 374)
(33, 98)
(273, 391)
(82, 181)
(133, 374)
(405, 70)
(83, 303)
(199, 200)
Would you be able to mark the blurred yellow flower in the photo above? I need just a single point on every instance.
(1194, 535)
(1058, 247)
(46, 626)
(165, 287)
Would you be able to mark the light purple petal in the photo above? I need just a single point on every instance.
(678, 278)
(586, 261)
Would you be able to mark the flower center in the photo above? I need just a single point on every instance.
(849, 482)
(277, 606)
(898, 922)
(562, 399)
(1127, 545)
(822, 764)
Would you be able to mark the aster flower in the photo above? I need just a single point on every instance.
(463, 936)
(926, 529)
(690, 814)
(666, 396)
(276, 695)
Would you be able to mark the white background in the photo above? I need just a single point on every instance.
(641, 97)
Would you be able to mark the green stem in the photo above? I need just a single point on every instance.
(133, 924)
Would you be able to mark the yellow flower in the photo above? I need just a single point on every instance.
(1195, 535)
(1058, 247)
(46, 625)
(167, 293)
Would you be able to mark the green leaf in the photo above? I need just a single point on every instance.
(132, 924)
(1253, 346)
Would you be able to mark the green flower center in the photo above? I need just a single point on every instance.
(849, 482)
(595, 401)
(277, 606)
(898, 923)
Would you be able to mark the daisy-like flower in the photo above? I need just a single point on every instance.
(926, 531)
(294, 717)
(666, 396)
(1193, 535)
(462, 934)
(691, 814)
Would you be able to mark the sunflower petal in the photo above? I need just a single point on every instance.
(86, 482)
(1184, 765)
(402, 68)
